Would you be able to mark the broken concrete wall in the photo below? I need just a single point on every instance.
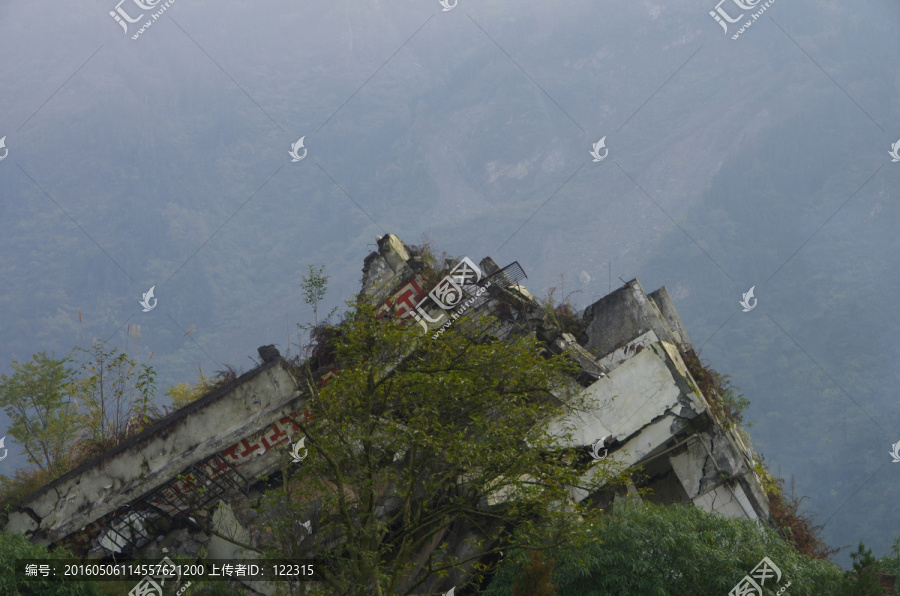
(385, 270)
(709, 469)
(659, 422)
(208, 426)
(630, 355)
(651, 406)
(644, 404)
(623, 315)
(664, 303)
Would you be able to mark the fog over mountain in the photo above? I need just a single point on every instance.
(759, 161)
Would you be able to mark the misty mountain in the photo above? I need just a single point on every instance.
(762, 161)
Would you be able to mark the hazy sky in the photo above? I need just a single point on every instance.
(732, 158)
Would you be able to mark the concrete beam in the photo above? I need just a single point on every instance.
(190, 435)
(636, 394)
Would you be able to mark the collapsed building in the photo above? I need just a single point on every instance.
(145, 497)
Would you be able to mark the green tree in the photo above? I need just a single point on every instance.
(146, 386)
(107, 391)
(890, 564)
(421, 449)
(61, 418)
(314, 286)
(864, 576)
(645, 549)
(43, 416)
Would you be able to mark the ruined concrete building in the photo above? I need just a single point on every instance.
(631, 355)
(134, 499)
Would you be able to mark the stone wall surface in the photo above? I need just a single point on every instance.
(386, 269)
(621, 316)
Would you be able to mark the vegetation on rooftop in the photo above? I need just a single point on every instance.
(725, 400)
(65, 411)
(794, 525)
(563, 314)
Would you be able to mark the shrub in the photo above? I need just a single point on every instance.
(16, 546)
(726, 402)
(793, 526)
(641, 549)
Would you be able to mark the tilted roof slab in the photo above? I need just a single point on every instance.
(158, 454)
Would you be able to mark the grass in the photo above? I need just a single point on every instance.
(793, 526)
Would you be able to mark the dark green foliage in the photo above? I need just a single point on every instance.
(890, 564)
(644, 549)
(862, 558)
(863, 580)
(16, 546)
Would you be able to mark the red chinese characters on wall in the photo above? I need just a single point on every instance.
(403, 300)
(176, 494)
(275, 434)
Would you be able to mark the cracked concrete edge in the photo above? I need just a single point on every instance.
(27, 520)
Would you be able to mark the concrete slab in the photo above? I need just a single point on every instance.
(201, 429)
